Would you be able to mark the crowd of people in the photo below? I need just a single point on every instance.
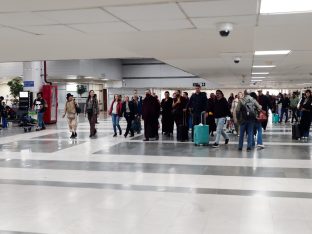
(240, 114)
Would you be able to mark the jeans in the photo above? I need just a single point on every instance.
(220, 124)
(284, 110)
(249, 126)
(258, 127)
(40, 119)
(115, 119)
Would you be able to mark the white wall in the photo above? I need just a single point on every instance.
(11, 69)
(156, 70)
(5, 92)
(108, 68)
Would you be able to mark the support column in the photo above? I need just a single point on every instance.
(32, 76)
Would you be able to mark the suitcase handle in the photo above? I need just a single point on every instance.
(203, 119)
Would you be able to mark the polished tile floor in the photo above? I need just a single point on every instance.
(52, 184)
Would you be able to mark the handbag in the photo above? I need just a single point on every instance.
(262, 117)
(78, 109)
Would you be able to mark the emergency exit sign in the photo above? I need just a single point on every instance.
(201, 84)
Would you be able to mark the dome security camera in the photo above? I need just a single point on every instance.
(225, 29)
(237, 60)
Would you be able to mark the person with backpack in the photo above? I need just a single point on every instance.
(40, 106)
(246, 112)
(221, 111)
(257, 127)
(71, 111)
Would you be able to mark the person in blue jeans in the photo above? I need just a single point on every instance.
(246, 112)
(221, 110)
(40, 107)
(116, 112)
(257, 128)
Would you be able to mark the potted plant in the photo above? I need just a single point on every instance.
(16, 86)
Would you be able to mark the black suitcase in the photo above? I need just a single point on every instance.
(295, 130)
(183, 130)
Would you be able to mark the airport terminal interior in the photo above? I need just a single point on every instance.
(174, 165)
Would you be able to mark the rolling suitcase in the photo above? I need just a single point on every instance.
(295, 130)
(183, 130)
(201, 132)
(275, 118)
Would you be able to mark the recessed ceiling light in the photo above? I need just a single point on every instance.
(264, 66)
(285, 6)
(272, 52)
(260, 73)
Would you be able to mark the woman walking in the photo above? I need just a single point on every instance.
(116, 112)
(306, 110)
(70, 111)
(92, 109)
(129, 111)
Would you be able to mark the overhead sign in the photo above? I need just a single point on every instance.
(201, 84)
(29, 83)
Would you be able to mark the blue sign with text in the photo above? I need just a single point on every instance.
(29, 83)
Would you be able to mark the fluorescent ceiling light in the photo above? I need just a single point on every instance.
(255, 80)
(260, 73)
(88, 77)
(272, 52)
(264, 66)
(258, 77)
(285, 6)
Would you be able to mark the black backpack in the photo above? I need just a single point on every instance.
(248, 111)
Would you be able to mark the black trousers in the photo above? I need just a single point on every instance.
(196, 121)
(151, 128)
(129, 119)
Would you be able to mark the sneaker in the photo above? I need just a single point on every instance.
(226, 141)
(146, 140)
(260, 146)
(115, 135)
(215, 145)
(240, 149)
(248, 149)
(72, 136)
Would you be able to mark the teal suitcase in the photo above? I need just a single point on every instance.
(201, 133)
(275, 118)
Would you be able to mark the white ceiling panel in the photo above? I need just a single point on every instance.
(12, 33)
(104, 27)
(147, 12)
(21, 19)
(162, 25)
(285, 19)
(52, 29)
(78, 16)
(212, 22)
(220, 8)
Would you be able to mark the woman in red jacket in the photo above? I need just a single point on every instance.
(116, 112)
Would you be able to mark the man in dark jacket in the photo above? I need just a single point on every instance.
(150, 115)
(264, 101)
(1, 110)
(221, 111)
(285, 105)
(197, 104)
(167, 118)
